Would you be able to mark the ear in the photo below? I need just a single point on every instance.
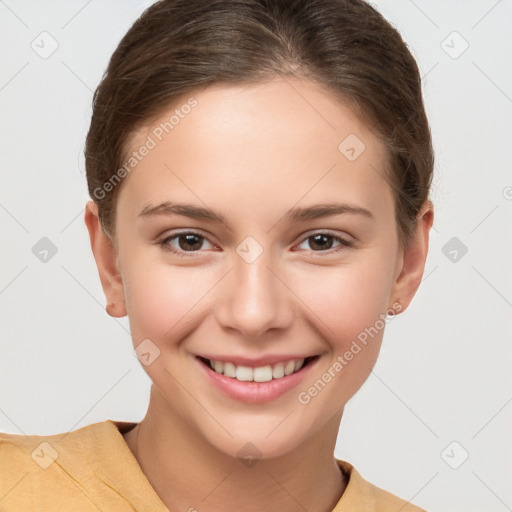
(413, 259)
(105, 254)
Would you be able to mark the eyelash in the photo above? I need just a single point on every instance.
(343, 244)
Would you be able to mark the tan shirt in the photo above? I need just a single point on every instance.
(92, 469)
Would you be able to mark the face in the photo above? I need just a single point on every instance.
(258, 236)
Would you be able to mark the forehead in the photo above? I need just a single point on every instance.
(275, 143)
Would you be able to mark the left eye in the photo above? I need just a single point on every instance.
(323, 242)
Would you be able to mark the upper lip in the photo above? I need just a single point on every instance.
(255, 362)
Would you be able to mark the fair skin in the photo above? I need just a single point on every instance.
(252, 153)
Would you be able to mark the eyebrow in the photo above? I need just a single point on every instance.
(296, 214)
(184, 209)
(299, 214)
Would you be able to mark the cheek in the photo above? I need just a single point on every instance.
(350, 304)
(352, 300)
(162, 300)
(349, 298)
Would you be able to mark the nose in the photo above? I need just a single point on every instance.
(254, 300)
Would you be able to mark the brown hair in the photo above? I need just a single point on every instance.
(177, 47)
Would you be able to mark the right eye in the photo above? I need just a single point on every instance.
(184, 242)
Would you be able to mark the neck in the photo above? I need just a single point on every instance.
(190, 474)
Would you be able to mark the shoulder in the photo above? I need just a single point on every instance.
(30, 452)
(35, 469)
(363, 496)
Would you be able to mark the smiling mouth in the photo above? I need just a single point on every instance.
(264, 373)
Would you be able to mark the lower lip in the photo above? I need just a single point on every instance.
(256, 392)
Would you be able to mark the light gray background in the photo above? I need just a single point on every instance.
(444, 372)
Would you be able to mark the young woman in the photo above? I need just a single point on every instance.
(259, 173)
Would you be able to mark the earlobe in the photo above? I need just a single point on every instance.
(414, 258)
(105, 255)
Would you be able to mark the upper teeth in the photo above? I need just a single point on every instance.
(259, 373)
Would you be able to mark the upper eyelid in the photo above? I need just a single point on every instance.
(329, 232)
